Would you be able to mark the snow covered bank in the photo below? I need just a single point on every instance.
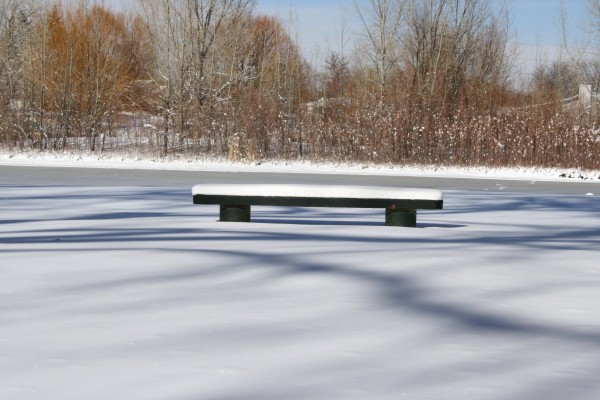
(134, 293)
(69, 160)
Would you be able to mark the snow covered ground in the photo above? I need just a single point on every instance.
(135, 293)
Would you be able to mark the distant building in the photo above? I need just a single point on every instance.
(586, 99)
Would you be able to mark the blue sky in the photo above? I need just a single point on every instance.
(317, 24)
(535, 24)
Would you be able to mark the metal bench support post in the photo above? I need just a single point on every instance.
(400, 217)
(235, 213)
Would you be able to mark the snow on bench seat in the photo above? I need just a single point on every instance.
(300, 190)
(400, 203)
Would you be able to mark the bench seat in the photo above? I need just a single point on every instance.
(236, 199)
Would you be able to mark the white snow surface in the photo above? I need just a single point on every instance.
(135, 293)
(320, 191)
(84, 160)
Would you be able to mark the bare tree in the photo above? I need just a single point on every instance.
(169, 72)
(17, 20)
(207, 21)
(594, 19)
(12, 25)
(451, 44)
(191, 38)
(336, 76)
(379, 41)
(82, 66)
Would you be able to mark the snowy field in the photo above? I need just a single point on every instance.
(135, 293)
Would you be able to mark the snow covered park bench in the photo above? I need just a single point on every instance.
(400, 204)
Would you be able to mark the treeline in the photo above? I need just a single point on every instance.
(429, 82)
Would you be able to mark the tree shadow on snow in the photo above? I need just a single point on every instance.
(397, 289)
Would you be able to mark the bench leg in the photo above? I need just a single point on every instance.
(400, 217)
(235, 213)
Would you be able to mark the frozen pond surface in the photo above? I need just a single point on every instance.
(122, 176)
